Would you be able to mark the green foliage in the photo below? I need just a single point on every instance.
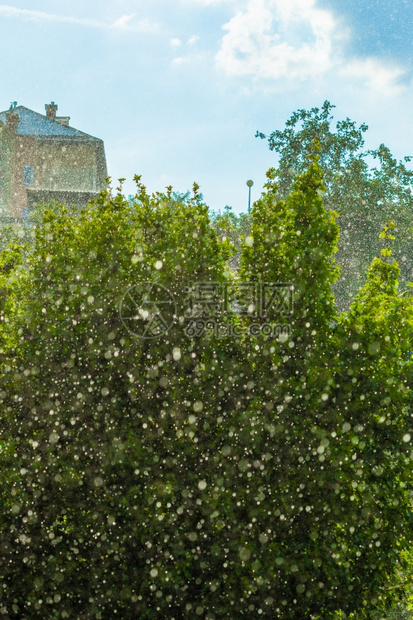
(234, 227)
(364, 195)
(199, 475)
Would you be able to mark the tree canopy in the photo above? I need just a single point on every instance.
(209, 472)
(366, 187)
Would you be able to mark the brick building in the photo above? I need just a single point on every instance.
(43, 158)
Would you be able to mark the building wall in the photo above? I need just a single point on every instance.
(5, 148)
(31, 163)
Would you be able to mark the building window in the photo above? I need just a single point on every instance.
(28, 175)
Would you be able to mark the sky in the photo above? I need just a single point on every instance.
(177, 90)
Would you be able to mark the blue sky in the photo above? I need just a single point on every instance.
(178, 89)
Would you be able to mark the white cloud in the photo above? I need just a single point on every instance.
(190, 56)
(377, 76)
(275, 39)
(295, 40)
(122, 23)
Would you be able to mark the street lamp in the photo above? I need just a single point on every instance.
(250, 184)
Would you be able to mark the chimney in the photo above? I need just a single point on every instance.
(12, 118)
(51, 109)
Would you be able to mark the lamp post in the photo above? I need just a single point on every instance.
(250, 184)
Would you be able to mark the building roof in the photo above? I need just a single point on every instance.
(34, 124)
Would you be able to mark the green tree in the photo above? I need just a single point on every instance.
(234, 227)
(192, 474)
(316, 386)
(364, 195)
